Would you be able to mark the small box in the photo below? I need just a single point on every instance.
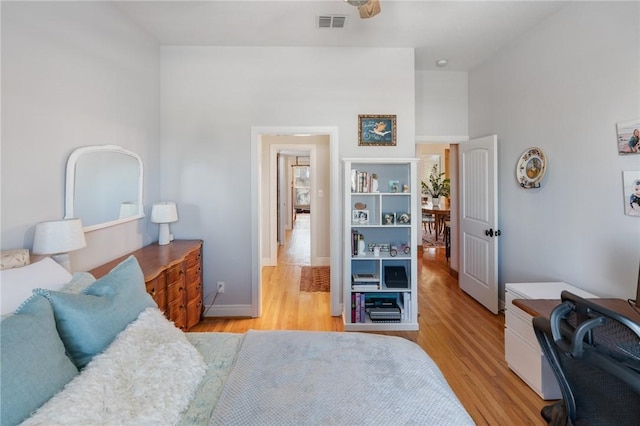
(395, 277)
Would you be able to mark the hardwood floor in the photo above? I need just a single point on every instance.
(464, 339)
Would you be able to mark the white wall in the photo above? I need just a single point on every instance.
(441, 105)
(211, 98)
(73, 74)
(563, 87)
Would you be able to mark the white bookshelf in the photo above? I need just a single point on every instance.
(399, 202)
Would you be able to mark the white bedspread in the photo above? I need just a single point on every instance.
(290, 377)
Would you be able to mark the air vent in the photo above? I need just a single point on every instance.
(332, 21)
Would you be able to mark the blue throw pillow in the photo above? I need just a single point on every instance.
(89, 322)
(33, 363)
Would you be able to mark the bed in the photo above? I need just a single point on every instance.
(120, 361)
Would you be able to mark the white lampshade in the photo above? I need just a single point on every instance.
(164, 212)
(129, 209)
(58, 236)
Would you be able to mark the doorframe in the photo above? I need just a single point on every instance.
(257, 204)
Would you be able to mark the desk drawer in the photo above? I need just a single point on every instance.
(531, 365)
(522, 327)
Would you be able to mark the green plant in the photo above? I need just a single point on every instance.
(438, 186)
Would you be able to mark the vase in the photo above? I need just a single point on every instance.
(435, 201)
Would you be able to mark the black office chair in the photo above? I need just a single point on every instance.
(595, 356)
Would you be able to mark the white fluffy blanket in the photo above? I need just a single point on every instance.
(318, 378)
(147, 376)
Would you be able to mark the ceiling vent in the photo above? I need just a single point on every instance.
(332, 21)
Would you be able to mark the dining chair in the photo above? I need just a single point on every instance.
(428, 221)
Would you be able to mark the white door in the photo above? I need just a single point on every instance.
(478, 276)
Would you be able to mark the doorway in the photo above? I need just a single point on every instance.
(324, 195)
(435, 231)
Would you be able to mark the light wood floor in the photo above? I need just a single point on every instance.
(462, 337)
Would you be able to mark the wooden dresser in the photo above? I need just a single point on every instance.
(173, 275)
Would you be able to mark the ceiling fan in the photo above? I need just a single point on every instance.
(367, 8)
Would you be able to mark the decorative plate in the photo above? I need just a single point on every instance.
(531, 167)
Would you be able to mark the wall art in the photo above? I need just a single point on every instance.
(376, 130)
(628, 137)
(631, 190)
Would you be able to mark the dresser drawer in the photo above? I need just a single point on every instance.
(194, 259)
(176, 291)
(194, 312)
(175, 273)
(156, 288)
(194, 291)
(194, 274)
(177, 312)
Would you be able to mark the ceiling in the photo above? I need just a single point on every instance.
(464, 32)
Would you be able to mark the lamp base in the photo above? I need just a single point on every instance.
(164, 236)
(63, 260)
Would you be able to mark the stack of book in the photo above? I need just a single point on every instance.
(361, 181)
(365, 282)
(355, 243)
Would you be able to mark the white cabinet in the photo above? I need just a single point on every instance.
(521, 348)
(381, 220)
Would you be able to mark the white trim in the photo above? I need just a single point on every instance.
(441, 139)
(335, 205)
(228, 311)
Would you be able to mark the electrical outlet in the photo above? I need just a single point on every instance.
(220, 287)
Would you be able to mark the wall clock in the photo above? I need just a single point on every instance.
(531, 168)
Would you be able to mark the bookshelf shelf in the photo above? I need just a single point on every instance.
(381, 234)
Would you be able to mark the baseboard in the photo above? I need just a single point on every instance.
(228, 311)
(453, 273)
(321, 261)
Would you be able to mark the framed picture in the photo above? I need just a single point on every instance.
(403, 218)
(394, 186)
(388, 218)
(360, 217)
(629, 137)
(631, 182)
(376, 130)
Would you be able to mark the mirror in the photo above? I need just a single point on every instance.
(104, 186)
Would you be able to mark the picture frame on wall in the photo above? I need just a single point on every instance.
(376, 130)
(631, 191)
(628, 137)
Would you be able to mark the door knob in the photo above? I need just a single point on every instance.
(489, 232)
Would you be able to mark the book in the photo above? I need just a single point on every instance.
(353, 307)
(365, 277)
(365, 286)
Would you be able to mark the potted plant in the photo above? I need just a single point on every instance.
(437, 187)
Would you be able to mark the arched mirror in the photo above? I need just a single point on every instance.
(104, 186)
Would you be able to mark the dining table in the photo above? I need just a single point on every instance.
(439, 213)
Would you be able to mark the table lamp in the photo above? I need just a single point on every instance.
(164, 213)
(57, 238)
